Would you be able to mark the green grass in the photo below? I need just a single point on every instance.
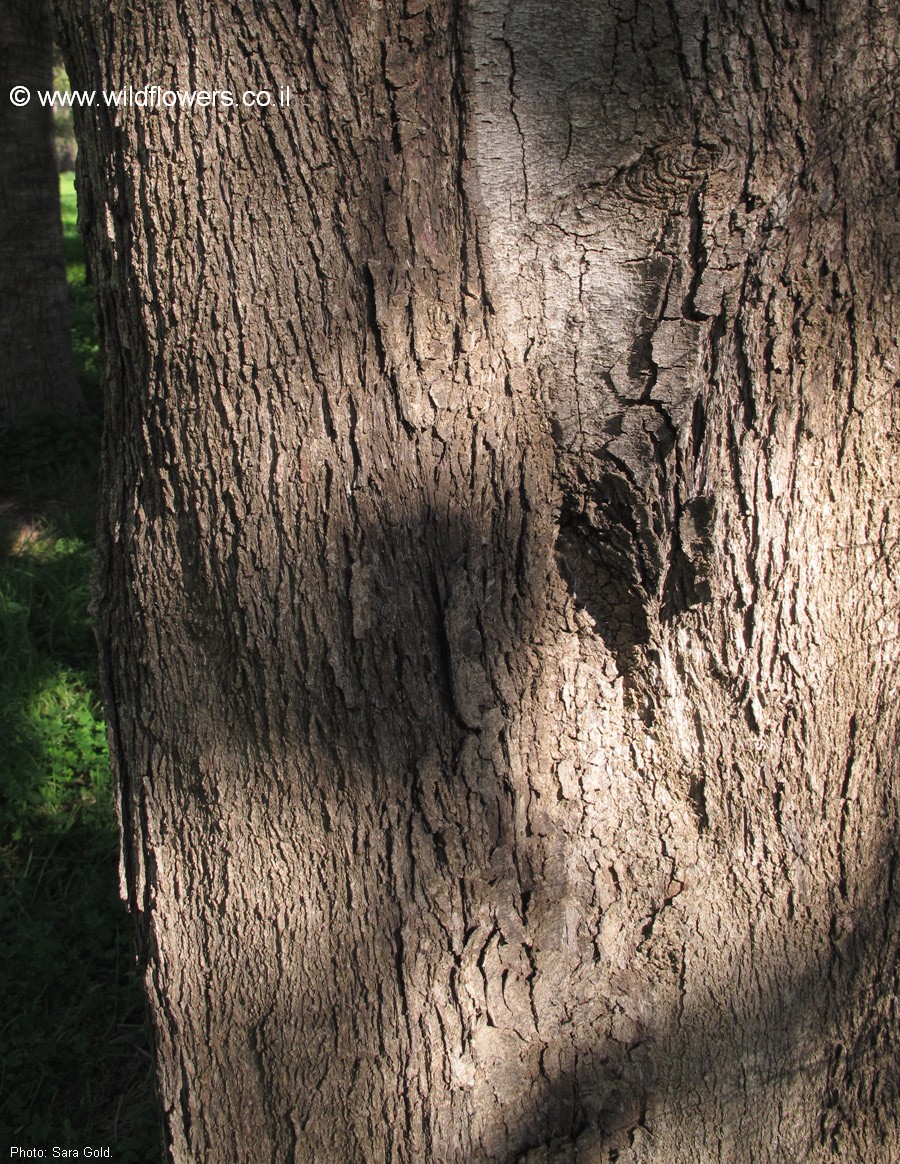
(75, 1066)
(81, 299)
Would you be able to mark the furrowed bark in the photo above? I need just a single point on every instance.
(498, 600)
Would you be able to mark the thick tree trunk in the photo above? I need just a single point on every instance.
(499, 591)
(36, 370)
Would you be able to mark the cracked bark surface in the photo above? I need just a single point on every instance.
(499, 596)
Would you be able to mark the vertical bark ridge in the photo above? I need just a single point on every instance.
(498, 562)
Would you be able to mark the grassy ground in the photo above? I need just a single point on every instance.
(75, 1067)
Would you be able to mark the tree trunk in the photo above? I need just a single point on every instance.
(498, 599)
(36, 370)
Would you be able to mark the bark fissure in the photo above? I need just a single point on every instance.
(489, 787)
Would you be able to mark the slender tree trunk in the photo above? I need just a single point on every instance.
(36, 370)
(499, 585)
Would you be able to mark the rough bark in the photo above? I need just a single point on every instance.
(499, 590)
(36, 370)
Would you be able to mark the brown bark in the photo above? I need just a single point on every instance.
(498, 601)
(36, 370)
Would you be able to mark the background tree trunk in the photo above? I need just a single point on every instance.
(499, 590)
(36, 370)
